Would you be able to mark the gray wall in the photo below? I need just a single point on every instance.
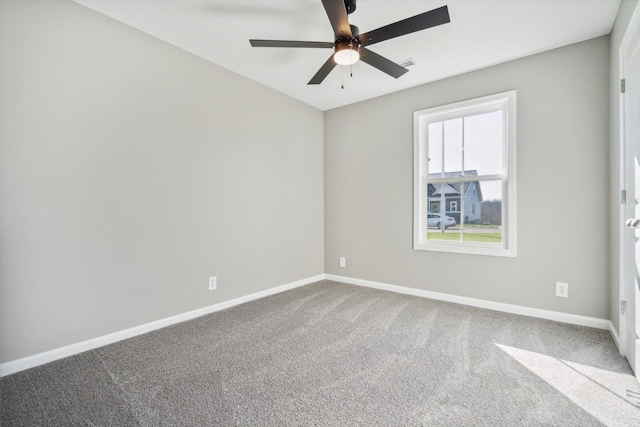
(562, 173)
(625, 12)
(130, 171)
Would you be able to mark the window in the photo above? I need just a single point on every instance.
(464, 160)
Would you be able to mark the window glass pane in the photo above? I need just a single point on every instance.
(435, 148)
(483, 220)
(451, 233)
(483, 136)
(453, 146)
(443, 224)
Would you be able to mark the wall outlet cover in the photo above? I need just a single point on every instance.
(213, 283)
(562, 289)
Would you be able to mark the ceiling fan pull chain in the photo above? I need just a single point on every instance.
(342, 73)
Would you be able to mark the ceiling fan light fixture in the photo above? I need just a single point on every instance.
(346, 54)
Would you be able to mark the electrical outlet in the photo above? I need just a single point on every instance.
(213, 283)
(562, 289)
(343, 262)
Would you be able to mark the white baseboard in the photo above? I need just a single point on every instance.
(614, 335)
(69, 350)
(573, 319)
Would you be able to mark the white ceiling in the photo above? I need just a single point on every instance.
(481, 33)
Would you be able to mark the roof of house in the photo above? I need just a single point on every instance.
(453, 188)
(446, 189)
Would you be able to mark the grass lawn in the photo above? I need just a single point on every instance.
(467, 237)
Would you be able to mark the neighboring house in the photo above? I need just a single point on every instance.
(450, 194)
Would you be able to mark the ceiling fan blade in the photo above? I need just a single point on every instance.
(323, 72)
(289, 43)
(337, 13)
(420, 22)
(381, 63)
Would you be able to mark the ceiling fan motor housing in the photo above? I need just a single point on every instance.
(352, 43)
(346, 43)
(350, 5)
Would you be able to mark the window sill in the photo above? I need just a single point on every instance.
(455, 247)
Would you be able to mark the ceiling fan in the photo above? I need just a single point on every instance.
(350, 45)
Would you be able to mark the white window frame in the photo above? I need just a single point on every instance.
(505, 101)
